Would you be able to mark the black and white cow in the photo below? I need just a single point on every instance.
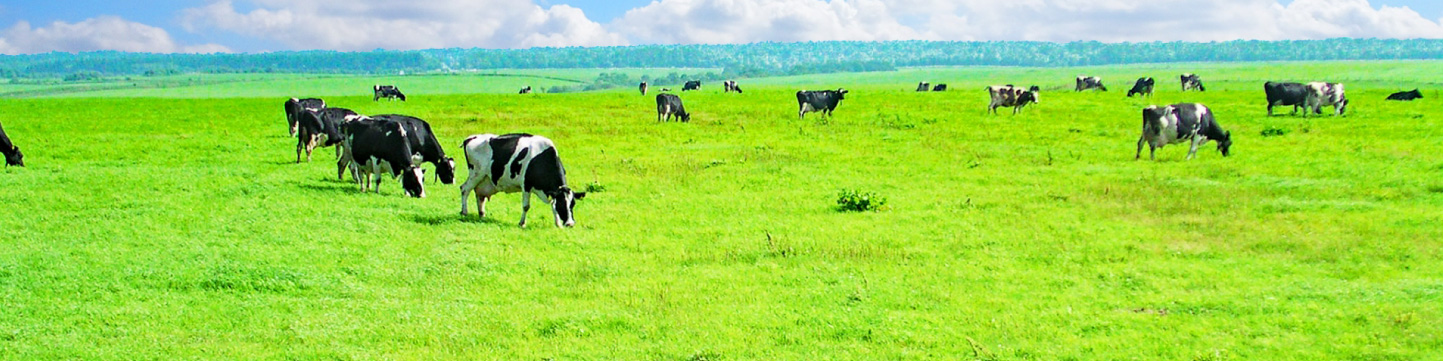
(668, 105)
(924, 86)
(1323, 94)
(642, 87)
(1191, 81)
(1011, 96)
(294, 107)
(820, 101)
(730, 86)
(381, 147)
(1089, 82)
(691, 85)
(423, 142)
(1284, 94)
(388, 92)
(1177, 123)
(321, 128)
(939, 88)
(12, 152)
(1406, 96)
(518, 163)
(1142, 86)
(526, 90)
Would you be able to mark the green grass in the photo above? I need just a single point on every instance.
(156, 228)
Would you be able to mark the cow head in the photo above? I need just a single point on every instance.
(841, 93)
(563, 201)
(14, 157)
(411, 181)
(446, 170)
(1034, 90)
(1225, 143)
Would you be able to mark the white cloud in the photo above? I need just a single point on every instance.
(745, 21)
(99, 33)
(392, 24)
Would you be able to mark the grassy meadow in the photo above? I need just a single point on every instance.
(173, 223)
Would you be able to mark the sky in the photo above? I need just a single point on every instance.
(206, 26)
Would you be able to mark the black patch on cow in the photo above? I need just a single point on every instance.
(545, 172)
(502, 148)
(516, 161)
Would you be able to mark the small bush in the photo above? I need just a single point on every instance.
(595, 187)
(858, 201)
(1274, 131)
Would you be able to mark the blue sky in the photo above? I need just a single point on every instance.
(28, 26)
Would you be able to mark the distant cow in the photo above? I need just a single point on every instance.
(821, 101)
(1142, 86)
(294, 107)
(668, 105)
(388, 92)
(12, 152)
(642, 87)
(1406, 96)
(1322, 94)
(1089, 82)
(730, 86)
(423, 142)
(924, 86)
(518, 163)
(1191, 81)
(526, 90)
(691, 85)
(1177, 123)
(1284, 94)
(379, 148)
(1011, 96)
(321, 128)
(939, 88)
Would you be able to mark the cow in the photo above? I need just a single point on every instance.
(924, 86)
(1406, 96)
(1142, 86)
(1089, 82)
(1284, 94)
(381, 147)
(820, 101)
(1177, 123)
(668, 105)
(12, 152)
(1011, 96)
(518, 163)
(320, 128)
(1191, 81)
(691, 85)
(731, 86)
(642, 87)
(939, 88)
(526, 90)
(294, 107)
(666, 89)
(388, 92)
(423, 142)
(1322, 94)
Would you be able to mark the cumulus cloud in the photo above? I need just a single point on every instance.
(391, 24)
(745, 21)
(99, 33)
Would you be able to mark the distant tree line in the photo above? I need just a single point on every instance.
(737, 60)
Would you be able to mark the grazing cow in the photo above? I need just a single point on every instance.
(1089, 82)
(294, 107)
(939, 88)
(518, 163)
(381, 147)
(12, 152)
(1191, 81)
(1011, 96)
(423, 141)
(821, 101)
(923, 86)
(1284, 94)
(643, 88)
(526, 90)
(668, 105)
(730, 86)
(321, 128)
(1406, 96)
(1142, 86)
(388, 92)
(666, 89)
(691, 85)
(1321, 94)
(1177, 123)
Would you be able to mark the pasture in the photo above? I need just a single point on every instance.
(178, 226)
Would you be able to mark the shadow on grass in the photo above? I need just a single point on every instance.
(332, 186)
(455, 218)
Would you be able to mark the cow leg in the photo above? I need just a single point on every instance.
(299, 145)
(376, 176)
(481, 199)
(1193, 150)
(1140, 140)
(467, 188)
(525, 206)
(1270, 109)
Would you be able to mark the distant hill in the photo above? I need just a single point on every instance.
(738, 60)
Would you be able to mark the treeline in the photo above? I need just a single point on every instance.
(737, 60)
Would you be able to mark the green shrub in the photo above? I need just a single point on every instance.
(1271, 131)
(858, 201)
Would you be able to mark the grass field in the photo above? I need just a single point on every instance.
(161, 228)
